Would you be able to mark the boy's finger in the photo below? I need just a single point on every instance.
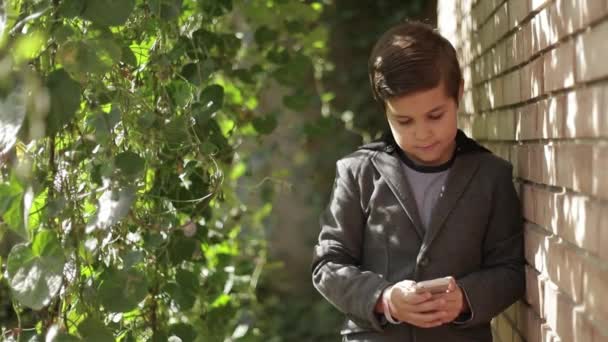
(409, 296)
(452, 286)
(431, 305)
(427, 317)
(430, 324)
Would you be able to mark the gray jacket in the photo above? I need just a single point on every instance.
(371, 237)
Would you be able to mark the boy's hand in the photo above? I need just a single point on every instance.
(453, 302)
(421, 310)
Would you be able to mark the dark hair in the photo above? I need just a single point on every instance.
(411, 57)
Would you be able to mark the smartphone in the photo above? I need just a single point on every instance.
(434, 286)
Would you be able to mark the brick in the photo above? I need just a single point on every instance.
(526, 121)
(603, 232)
(542, 33)
(584, 113)
(559, 67)
(526, 83)
(527, 45)
(512, 87)
(532, 83)
(476, 48)
(599, 336)
(488, 37)
(506, 125)
(576, 166)
(558, 312)
(542, 207)
(582, 329)
(500, 57)
(495, 92)
(465, 7)
(518, 11)
(570, 272)
(480, 130)
(547, 335)
(468, 105)
(492, 125)
(501, 21)
(551, 117)
(476, 16)
(528, 202)
(534, 290)
(554, 258)
(536, 77)
(519, 157)
(576, 219)
(550, 165)
(535, 247)
(590, 58)
(534, 159)
(574, 15)
(532, 328)
(595, 296)
(511, 44)
(537, 4)
(600, 165)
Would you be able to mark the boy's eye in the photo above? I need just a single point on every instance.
(404, 123)
(436, 116)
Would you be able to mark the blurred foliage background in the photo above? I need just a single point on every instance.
(163, 162)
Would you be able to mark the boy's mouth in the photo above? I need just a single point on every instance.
(427, 147)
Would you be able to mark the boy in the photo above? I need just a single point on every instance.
(424, 202)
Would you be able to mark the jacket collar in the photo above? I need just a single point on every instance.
(464, 167)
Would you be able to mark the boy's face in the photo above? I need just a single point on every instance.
(424, 124)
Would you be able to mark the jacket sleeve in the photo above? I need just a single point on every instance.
(501, 280)
(335, 266)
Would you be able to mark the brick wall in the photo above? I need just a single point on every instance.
(536, 75)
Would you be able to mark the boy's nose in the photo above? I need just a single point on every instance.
(423, 135)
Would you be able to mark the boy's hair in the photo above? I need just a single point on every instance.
(411, 57)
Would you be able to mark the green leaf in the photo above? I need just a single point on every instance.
(93, 56)
(12, 109)
(114, 204)
(70, 8)
(298, 101)
(65, 100)
(181, 248)
(129, 164)
(54, 334)
(266, 124)
(176, 132)
(187, 281)
(11, 206)
(108, 12)
(37, 210)
(166, 9)
(211, 99)
(181, 299)
(184, 331)
(132, 258)
(128, 57)
(193, 73)
(103, 124)
(63, 337)
(263, 36)
(122, 290)
(215, 8)
(35, 270)
(92, 330)
(9, 192)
